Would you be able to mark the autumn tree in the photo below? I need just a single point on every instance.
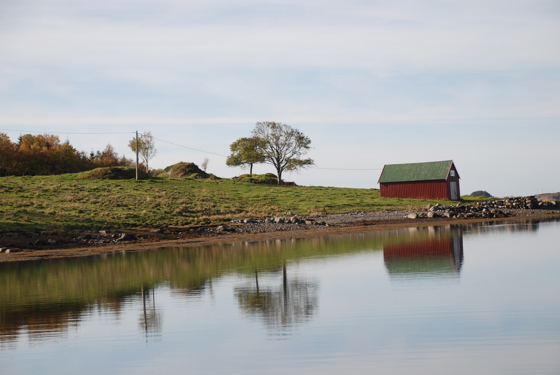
(7, 154)
(45, 154)
(146, 147)
(282, 146)
(245, 152)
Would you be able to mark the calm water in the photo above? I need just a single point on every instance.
(455, 299)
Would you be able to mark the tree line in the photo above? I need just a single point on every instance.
(45, 154)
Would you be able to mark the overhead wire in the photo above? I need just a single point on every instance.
(68, 133)
(183, 146)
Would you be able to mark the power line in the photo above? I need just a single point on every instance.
(190, 148)
(187, 147)
(67, 133)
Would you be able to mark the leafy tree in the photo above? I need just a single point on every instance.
(146, 147)
(44, 154)
(245, 152)
(7, 154)
(282, 146)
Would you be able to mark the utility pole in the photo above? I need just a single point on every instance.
(136, 155)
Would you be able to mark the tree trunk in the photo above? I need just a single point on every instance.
(251, 169)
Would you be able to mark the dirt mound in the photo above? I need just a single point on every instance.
(112, 173)
(267, 179)
(186, 170)
(481, 193)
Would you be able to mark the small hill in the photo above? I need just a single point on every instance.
(481, 193)
(266, 179)
(112, 173)
(185, 170)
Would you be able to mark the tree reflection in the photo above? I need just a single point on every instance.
(281, 307)
(150, 318)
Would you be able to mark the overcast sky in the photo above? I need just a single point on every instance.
(370, 82)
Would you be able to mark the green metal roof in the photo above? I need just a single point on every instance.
(434, 170)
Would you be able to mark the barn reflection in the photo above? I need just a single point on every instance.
(425, 253)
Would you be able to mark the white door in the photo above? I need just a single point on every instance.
(453, 187)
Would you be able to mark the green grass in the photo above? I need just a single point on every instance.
(54, 202)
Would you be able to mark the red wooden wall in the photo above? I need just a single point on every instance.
(421, 189)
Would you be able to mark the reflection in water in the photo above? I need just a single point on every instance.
(42, 300)
(282, 306)
(150, 319)
(427, 252)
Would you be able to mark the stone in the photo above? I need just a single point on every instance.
(412, 216)
(127, 237)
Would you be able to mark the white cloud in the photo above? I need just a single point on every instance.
(370, 80)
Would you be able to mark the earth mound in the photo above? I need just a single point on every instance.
(185, 170)
(265, 179)
(112, 173)
(481, 193)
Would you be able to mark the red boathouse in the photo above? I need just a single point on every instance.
(430, 180)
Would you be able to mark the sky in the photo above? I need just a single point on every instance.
(369, 82)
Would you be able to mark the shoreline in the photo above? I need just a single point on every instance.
(153, 240)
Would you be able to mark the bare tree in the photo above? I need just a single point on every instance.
(204, 164)
(282, 146)
(146, 147)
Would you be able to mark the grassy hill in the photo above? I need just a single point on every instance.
(74, 200)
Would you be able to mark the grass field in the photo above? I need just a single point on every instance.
(54, 202)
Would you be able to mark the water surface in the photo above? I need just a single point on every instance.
(461, 299)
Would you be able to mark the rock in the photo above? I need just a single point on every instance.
(412, 216)
(431, 214)
(309, 222)
(126, 237)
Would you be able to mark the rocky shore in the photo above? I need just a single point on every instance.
(37, 245)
